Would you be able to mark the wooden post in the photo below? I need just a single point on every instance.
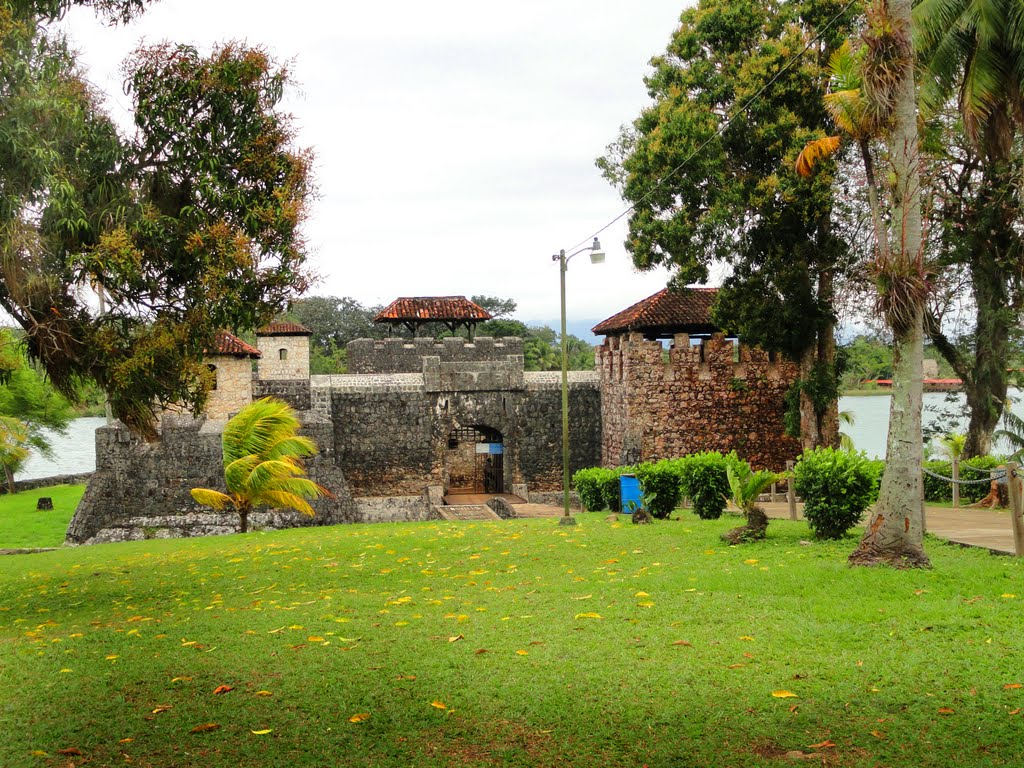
(1014, 492)
(956, 482)
(775, 492)
(790, 491)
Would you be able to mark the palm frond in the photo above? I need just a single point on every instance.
(815, 151)
(211, 498)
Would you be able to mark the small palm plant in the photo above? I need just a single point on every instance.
(953, 446)
(745, 486)
(845, 441)
(14, 447)
(263, 463)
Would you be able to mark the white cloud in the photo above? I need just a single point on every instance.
(455, 140)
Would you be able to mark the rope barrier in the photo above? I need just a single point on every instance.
(979, 481)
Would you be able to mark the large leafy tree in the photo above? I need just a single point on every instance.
(974, 52)
(708, 170)
(191, 224)
(263, 455)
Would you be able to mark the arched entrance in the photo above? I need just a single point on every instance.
(475, 461)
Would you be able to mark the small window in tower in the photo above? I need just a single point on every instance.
(282, 354)
(213, 371)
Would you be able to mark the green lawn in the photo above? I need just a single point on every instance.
(513, 643)
(21, 525)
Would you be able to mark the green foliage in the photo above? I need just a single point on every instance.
(867, 357)
(14, 447)
(836, 487)
(29, 398)
(936, 489)
(704, 479)
(703, 191)
(745, 485)
(189, 225)
(588, 484)
(263, 462)
(977, 491)
(334, 322)
(662, 486)
(611, 491)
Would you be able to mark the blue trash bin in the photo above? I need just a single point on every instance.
(629, 491)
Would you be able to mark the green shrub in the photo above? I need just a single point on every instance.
(661, 483)
(704, 480)
(941, 490)
(587, 483)
(609, 484)
(877, 467)
(836, 488)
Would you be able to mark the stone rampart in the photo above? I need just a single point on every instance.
(709, 396)
(142, 490)
(406, 355)
(295, 392)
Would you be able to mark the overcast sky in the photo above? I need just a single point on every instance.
(455, 140)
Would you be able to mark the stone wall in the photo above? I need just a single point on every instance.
(293, 365)
(394, 442)
(46, 482)
(295, 392)
(702, 398)
(406, 355)
(233, 387)
(142, 490)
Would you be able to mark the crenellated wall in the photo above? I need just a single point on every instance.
(406, 355)
(707, 396)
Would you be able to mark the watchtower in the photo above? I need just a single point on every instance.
(230, 362)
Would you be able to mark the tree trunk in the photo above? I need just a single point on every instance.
(828, 419)
(243, 519)
(809, 435)
(993, 236)
(11, 488)
(895, 532)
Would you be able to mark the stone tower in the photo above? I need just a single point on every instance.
(285, 348)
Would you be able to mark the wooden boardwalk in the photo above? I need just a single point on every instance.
(987, 528)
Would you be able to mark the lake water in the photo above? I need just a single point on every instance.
(76, 451)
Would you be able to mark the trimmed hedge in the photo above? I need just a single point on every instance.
(662, 486)
(836, 487)
(705, 481)
(588, 484)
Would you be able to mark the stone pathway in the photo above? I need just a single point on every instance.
(987, 528)
(467, 512)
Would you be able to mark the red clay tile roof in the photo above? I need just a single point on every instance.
(431, 308)
(229, 344)
(284, 329)
(667, 311)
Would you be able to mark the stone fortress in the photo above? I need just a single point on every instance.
(418, 424)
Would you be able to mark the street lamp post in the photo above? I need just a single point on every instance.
(596, 257)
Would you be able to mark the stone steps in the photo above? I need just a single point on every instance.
(467, 512)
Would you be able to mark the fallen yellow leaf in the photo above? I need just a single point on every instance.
(205, 727)
(1010, 686)
(748, 638)
(359, 717)
(456, 638)
(946, 711)
(820, 744)
(263, 693)
(161, 708)
(784, 695)
(521, 652)
(641, 594)
(439, 705)
(223, 689)
(263, 732)
(314, 639)
(589, 616)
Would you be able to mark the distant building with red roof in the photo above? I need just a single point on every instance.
(413, 312)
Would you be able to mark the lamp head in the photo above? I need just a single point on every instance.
(596, 254)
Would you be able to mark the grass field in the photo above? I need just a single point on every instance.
(21, 525)
(514, 643)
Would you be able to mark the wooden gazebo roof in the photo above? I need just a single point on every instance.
(686, 310)
(415, 311)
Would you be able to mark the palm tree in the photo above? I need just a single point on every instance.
(974, 50)
(262, 463)
(745, 486)
(14, 442)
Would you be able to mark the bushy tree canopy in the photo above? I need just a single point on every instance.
(191, 224)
